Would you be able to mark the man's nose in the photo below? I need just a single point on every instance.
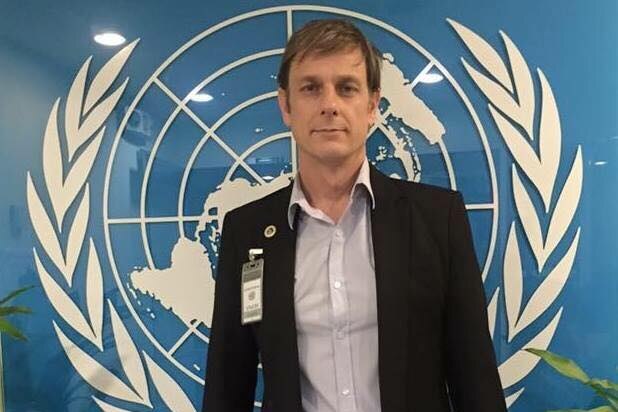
(329, 102)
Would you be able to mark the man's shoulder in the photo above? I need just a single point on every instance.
(431, 209)
(424, 193)
(414, 192)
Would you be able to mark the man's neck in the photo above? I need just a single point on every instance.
(328, 186)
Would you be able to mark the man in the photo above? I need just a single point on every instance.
(370, 297)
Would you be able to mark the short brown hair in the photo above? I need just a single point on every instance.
(329, 36)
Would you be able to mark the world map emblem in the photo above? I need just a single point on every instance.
(235, 149)
(203, 136)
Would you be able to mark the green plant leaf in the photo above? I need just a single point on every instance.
(603, 409)
(599, 409)
(563, 365)
(14, 294)
(604, 383)
(613, 402)
(6, 327)
(606, 390)
(11, 310)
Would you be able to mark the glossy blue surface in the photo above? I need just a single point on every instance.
(43, 45)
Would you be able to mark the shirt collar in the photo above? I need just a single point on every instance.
(298, 199)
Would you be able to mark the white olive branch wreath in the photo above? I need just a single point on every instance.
(67, 161)
(509, 89)
(510, 92)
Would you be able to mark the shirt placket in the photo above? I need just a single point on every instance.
(341, 324)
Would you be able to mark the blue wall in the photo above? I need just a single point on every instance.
(42, 47)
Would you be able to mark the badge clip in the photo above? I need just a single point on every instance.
(254, 253)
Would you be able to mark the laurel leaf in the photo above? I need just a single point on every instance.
(77, 234)
(565, 366)
(523, 153)
(73, 109)
(523, 86)
(106, 407)
(99, 114)
(94, 293)
(106, 76)
(492, 90)
(8, 328)
(567, 203)
(94, 373)
(13, 310)
(509, 400)
(53, 169)
(79, 172)
(63, 304)
(42, 225)
(484, 53)
(12, 295)
(550, 288)
(513, 281)
(550, 137)
(129, 356)
(529, 219)
(492, 310)
(521, 363)
(171, 393)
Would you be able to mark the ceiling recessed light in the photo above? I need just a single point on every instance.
(109, 39)
(201, 97)
(430, 78)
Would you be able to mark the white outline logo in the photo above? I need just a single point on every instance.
(68, 159)
(210, 133)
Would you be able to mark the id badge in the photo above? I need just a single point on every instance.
(251, 293)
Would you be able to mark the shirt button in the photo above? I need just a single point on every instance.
(338, 234)
(337, 284)
(345, 392)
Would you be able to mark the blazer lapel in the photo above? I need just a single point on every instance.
(391, 254)
(278, 328)
(389, 226)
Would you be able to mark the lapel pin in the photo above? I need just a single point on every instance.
(270, 231)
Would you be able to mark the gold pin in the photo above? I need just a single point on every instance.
(270, 231)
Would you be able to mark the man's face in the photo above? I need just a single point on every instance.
(328, 106)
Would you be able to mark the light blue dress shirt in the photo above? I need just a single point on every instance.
(335, 303)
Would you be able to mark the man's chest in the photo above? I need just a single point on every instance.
(334, 276)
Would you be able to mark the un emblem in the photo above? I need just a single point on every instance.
(203, 136)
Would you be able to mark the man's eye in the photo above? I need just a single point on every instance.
(309, 88)
(348, 89)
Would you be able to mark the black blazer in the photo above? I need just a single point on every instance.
(434, 344)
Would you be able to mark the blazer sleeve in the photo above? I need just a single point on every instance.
(472, 375)
(232, 351)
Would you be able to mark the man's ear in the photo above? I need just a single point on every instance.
(374, 100)
(284, 105)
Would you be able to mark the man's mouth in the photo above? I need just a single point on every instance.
(329, 130)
